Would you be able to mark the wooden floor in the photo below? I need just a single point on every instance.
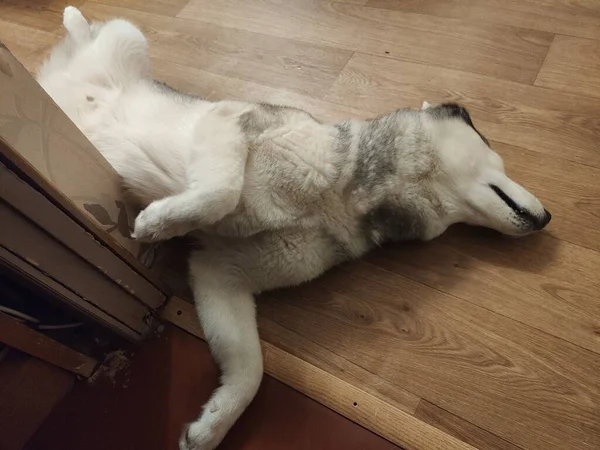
(493, 340)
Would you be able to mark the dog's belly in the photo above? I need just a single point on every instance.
(146, 137)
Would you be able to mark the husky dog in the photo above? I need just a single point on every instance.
(274, 196)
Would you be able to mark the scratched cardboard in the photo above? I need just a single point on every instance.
(33, 125)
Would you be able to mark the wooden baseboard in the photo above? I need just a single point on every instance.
(361, 407)
(27, 340)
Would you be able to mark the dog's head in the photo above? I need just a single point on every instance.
(471, 180)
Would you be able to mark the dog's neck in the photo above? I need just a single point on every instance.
(391, 186)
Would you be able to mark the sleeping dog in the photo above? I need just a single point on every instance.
(274, 196)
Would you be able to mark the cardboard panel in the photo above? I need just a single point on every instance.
(55, 157)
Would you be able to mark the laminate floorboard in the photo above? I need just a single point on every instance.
(530, 388)
(574, 18)
(43, 15)
(531, 284)
(219, 87)
(168, 8)
(498, 50)
(279, 62)
(460, 428)
(491, 340)
(572, 65)
(29, 45)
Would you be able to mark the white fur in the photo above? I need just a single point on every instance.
(272, 213)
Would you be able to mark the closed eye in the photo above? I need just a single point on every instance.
(520, 211)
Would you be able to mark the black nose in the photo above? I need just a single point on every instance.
(543, 221)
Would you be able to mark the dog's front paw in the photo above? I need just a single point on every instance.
(150, 225)
(142, 231)
(156, 224)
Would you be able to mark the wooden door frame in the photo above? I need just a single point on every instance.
(43, 243)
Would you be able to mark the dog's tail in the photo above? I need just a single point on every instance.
(76, 25)
(122, 50)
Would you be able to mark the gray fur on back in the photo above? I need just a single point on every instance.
(377, 151)
(376, 189)
(387, 161)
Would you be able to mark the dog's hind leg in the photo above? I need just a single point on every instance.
(227, 313)
(223, 276)
(215, 178)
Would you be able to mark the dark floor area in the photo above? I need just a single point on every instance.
(165, 385)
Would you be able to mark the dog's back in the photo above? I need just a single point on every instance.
(321, 194)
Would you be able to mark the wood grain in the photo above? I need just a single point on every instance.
(523, 385)
(371, 412)
(218, 87)
(557, 123)
(350, 401)
(41, 15)
(309, 69)
(572, 65)
(460, 428)
(498, 50)
(167, 8)
(29, 45)
(183, 314)
(344, 369)
(355, 2)
(576, 18)
(536, 282)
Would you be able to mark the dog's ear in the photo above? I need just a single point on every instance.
(426, 105)
(455, 110)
